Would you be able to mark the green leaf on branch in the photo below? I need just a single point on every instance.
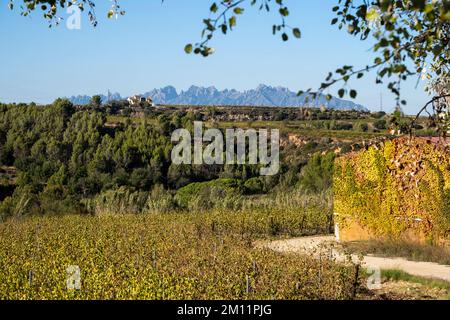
(232, 22)
(188, 48)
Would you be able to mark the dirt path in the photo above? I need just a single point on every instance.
(327, 245)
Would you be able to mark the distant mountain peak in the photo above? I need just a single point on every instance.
(262, 86)
(263, 95)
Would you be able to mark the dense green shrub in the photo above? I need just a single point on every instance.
(378, 115)
(339, 125)
(205, 193)
(362, 126)
(6, 190)
(118, 201)
(380, 124)
(254, 186)
(160, 201)
(21, 203)
(317, 175)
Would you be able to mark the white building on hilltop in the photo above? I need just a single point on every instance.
(137, 99)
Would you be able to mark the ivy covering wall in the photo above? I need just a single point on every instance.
(400, 185)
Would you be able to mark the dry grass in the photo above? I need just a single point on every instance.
(402, 249)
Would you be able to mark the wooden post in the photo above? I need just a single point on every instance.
(336, 229)
(355, 283)
(248, 288)
(30, 277)
(154, 258)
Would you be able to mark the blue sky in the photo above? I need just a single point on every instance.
(144, 50)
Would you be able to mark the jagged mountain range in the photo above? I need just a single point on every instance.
(263, 95)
